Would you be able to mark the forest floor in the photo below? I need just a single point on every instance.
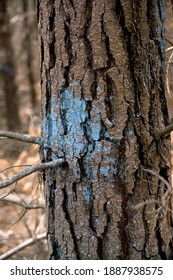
(18, 224)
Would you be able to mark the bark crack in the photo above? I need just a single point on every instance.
(51, 207)
(52, 53)
(71, 225)
(160, 242)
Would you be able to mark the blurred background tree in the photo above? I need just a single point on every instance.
(19, 65)
(8, 70)
(20, 111)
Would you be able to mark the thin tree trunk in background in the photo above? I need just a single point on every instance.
(29, 56)
(103, 103)
(7, 70)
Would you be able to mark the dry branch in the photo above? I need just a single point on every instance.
(169, 191)
(30, 170)
(167, 72)
(20, 137)
(21, 246)
(165, 131)
(9, 192)
(22, 204)
(169, 41)
(159, 177)
(169, 49)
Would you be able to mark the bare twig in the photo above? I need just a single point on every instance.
(15, 219)
(144, 203)
(9, 192)
(159, 177)
(30, 170)
(164, 198)
(169, 49)
(169, 190)
(165, 131)
(20, 137)
(167, 73)
(23, 204)
(15, 166)
(169, 41)
(21, 246)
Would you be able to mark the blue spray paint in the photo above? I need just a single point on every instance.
(73, 117)
(87, 194)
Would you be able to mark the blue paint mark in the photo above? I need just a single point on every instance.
(87, 194)
(96, 124)
(108, 170)
(95, 131)
(93, 236)
(121, 169)
(76, 84)
(104, 170)
(136, 115)
(74, 116)
(58, 250)
(70, 193)
(49, 84)
(99, 89)
(97, 221)
(69, 121)
(57, 133)
(129, 133)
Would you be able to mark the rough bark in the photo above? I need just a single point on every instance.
(103, 103)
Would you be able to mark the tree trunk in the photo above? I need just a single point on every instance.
(8, 71)
(103, 104)
(29, 28)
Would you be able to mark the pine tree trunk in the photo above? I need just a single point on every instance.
(103, 105)
(8, 71)
(29, 29)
